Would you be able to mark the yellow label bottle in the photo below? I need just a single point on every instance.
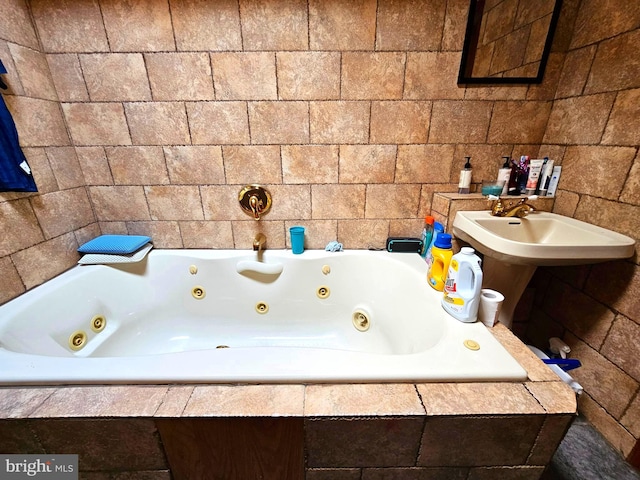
(462, 288)
(440, 257)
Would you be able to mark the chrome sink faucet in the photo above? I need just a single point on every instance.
(518, 209)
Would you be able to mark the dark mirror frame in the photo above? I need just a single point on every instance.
(476, 8)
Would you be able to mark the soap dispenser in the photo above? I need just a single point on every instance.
(465, 177)
(504, 174)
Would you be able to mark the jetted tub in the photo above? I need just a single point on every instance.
(235, 317)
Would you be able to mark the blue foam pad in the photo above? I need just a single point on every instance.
(114, 244)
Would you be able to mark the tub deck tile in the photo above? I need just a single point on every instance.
(246, 401)
(478, 399)
(175, 401)
(362, 400)
(555, 397)
(102, 401)
(19, 402)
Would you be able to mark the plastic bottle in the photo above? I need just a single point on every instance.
(441, 254)
(504, 174)
(465, 177)
(438, 229)
(463, 286)
(427, 235)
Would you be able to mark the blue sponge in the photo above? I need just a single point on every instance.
(114, 244)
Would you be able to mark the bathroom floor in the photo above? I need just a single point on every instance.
(585, 455)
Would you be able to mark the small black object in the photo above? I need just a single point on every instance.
(404, 244)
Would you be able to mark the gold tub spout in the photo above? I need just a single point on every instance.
(260, 242)
(519, 209)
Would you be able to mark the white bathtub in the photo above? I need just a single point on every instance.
(286, 318)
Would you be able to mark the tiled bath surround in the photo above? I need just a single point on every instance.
(366, 431)
(146, 117)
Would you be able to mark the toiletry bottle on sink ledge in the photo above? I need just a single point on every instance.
(440, 257)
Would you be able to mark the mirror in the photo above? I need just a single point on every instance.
(508, 41)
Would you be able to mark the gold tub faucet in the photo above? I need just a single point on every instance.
(260, 242)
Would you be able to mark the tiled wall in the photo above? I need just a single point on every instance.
(148, 117)
(595, 121)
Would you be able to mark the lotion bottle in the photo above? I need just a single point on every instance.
(465, 177)
(504, 174)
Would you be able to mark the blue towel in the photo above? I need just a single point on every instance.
(114, 244)
(15, 174)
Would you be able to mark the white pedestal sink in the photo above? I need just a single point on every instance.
(514, 247)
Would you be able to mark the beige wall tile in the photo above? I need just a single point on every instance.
(485, 160)
(631, 191)
(355, 442)
(377, 76)
(65, 166)
(67, 77)
(631, 418)
(621, 346)
(424, 163)
(96, 123)
(578, 119)
(41, 168)
(310, 163)
(195, 165)
(460, 122)
(10, 283)
(171, 202)
(144, 25)
(318, 233)
(337, 201)
(363, 234)
(617, 435)
(290, 202)
(308, 75)
(410, 25)
(94, 165)
(34, 72)
(164, 234)
(595, 20)
(575, 71)
(367, 163)
(218, 123)
(17, 26)
(499, 440)
(624, 121)
(356, 22)
(477, 398)
(252, 164)
(84, 234)
(400, 122)
(566, 203)
(392, 201)
(585, 317)
(429, 74)
(245, 231)
(246, 401)
(158, 123)
(362, 400)
(279, 122)
(607, 384)
(244, 75)
(206, 234)
(339, 122)
(198, 27)
(519, 122)
(119, 203)
(59, 254)
(115, 77)
(70, 26)
(63, 211)
(274, 25)
(137, 165)
(180, 76)
(220, 202)
(39, 122)
(20, 226)
(11, 78)
(588, 170)
(611, 69)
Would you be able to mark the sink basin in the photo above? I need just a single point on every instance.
(541, 238)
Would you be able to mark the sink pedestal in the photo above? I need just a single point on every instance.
(508, 279)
